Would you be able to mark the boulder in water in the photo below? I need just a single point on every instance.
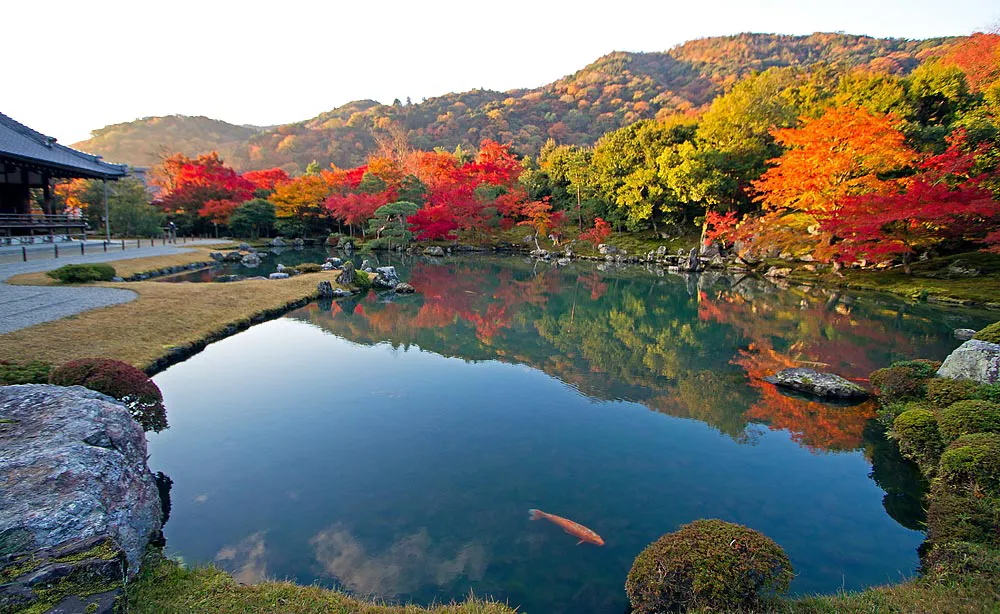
(817, 383)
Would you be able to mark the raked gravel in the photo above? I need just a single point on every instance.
(24, 306)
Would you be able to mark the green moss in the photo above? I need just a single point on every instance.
(943, 391)
(954, 516)
(31, 372)
(972, 463)
(362, 280)
(920, 367)
(919, 438)
(17, 569)
(708, 564)
(889, 412)
(991, 333)
(106, 551)
(966, 417)
(988, 392)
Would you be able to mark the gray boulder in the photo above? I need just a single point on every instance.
(974, 360)
(340, 293)
(404, 288)
(327, 266)
(217, 256)
(74, 467)
(245, 247)
(778, 273)
(250, 260)
(280, 268)
(366, 266)
(299, 243)
(233, 256)
(324, 289)
(693, 263)
(277, 242)
(433, 250)
(661, 250)
(607, 250)
(278, 276)
(386, 277)
(964, 334)
(817, 383)
(346, 276)
(336, 262)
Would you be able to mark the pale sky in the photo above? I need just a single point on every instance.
(74, 66)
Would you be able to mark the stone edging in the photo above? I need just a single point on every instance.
(170, 270)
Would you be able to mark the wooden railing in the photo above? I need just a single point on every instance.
(39, 222)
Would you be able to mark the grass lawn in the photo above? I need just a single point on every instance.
(163, 587)
(163, 317)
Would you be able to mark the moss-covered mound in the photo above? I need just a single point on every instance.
(898, 383)
(943, 391)
(972, 463)
(954, 516)
(967, 417)
(708, 564)
(991, 333)
(916, 430)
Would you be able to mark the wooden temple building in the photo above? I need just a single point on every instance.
(30, 160)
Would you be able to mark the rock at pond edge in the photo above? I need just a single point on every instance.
(974, 360)
(816, 383)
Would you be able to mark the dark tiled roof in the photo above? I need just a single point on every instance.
(20, 143)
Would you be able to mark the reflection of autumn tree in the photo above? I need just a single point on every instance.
(634, 337)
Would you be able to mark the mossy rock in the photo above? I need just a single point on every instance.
(919, 438)
(943, 391)
(967, 417)
(990, 334)
(972, 463)
(955, 516)
(898, 384)
(708, 564)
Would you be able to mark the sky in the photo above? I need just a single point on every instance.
(85, 65)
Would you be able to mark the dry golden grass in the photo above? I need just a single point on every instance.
(164, 316)
(127, 268)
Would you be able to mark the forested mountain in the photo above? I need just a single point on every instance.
(144, 142)
(616, 90)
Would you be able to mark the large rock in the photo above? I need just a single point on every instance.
(405, 288)
(386, 277)
(277, 242)
(73, 467)
(324, 289)
(434, 250)
(974, 360)
(278, 276)
(817, 383)
(693, 262)
(346, 276)
(233, 256)
(250, 260)
(964, 334)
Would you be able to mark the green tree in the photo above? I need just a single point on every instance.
(129, 209)
(253, 218)
(389, 224)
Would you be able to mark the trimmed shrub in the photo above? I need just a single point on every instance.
(888, 413)
(921, 367)
(988, 392)
(362, 279)
(943, 391)
(966, 417)
(919, 438)
(956, 516)
(955, 561)
(991, 333)
(972, 462)
(83, 273)
(708, 564)
(897, 384)
(308, 267)
(32, 372)
(118, 380)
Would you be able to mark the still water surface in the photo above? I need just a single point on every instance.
(393, 445)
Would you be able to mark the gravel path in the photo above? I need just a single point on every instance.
(24, 306)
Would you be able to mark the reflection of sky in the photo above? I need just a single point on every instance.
(410, 474)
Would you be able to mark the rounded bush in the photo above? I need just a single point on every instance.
(120, 381)
(921, 367)
(708, 564)
(31, 372)
(918, 436)
(967, 417)
(988, 392)
(943, 391)
(991, 333)
(308, 267)
(361, 279)
(897, 384)
(83, 273)
(959, 516)
(972, 463)
(888, 413)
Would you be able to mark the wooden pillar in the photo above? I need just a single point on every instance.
(47, 206)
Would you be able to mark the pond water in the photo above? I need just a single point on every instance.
(393, 445)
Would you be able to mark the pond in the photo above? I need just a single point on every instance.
(393, 445)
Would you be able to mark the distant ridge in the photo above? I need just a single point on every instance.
(617, 89)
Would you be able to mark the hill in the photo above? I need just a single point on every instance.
(144, 141)
(615, 90)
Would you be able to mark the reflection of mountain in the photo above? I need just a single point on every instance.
(693, 349)
(411, 562)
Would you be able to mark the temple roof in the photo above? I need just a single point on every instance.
(21, 145)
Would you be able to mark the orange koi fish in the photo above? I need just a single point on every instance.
(575, 529)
